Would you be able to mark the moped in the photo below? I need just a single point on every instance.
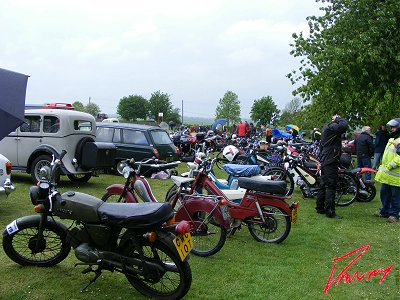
(207, 233)
(141, 241)
(263, 207)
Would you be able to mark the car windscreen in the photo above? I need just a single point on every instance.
(160, 137)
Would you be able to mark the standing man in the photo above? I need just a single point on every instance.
(268, 134)
(382, 136)
(331, 146)
(241, 129)
(364, 149)
(389, 175)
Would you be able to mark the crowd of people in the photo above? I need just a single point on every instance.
(386, 153)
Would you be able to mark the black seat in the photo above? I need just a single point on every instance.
(260, 184)
(135, 215)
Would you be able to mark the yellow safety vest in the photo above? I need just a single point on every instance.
(389, 170)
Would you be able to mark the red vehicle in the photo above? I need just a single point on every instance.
(263, 208)
(58, 105)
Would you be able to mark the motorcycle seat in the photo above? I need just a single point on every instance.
(181, 181)
(241, 170)
(260, 184)
(135, 215)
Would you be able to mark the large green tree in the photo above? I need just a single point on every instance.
(263, 110)
(78, 106)
(92, 108)
(350, 62)
(160, 103)
(133, 107)
(228, 108)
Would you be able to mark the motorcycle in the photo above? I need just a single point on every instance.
(208, 236)
(141, 241)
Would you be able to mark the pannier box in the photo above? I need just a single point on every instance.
(98, 155)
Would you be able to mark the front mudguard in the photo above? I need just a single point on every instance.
(192, 205)
(32, 220)
(118, 189)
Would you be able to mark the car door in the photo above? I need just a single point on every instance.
(135, 145)
(29, 138)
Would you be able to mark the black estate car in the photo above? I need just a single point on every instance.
(137, 141)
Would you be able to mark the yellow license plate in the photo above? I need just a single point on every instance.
(294, 215)
(183, 243)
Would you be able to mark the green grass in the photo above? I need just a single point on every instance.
(298, 268)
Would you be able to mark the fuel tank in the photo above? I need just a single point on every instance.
(77, 206)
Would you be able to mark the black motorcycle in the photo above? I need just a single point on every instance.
(139, 240)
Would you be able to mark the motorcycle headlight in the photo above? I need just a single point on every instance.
(45, 172)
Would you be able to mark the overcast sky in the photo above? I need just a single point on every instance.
(194, 51)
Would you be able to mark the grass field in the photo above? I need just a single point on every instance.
(298, 268)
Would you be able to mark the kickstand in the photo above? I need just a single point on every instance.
(97, 273)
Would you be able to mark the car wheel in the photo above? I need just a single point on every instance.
(80, 177)
(38, 163)
(79, 148)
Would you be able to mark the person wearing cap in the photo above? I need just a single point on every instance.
(364, 149)
(389, 175)
(331, 146)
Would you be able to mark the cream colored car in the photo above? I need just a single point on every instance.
(46, 132)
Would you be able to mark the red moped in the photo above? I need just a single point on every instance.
(263, 208)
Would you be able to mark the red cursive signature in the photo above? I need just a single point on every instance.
(345, 277)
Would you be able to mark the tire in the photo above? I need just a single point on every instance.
(347, 189)
(208, 235)
(368, 195)
(276, 227)
(37, 164)
(171, 195)
(79, 147)
(20, 246)
(80, 177)
(175, 281)
(281, 174)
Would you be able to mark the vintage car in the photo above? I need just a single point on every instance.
(47, 132)
(6, 187)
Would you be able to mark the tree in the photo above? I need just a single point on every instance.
(92, 108)
(78, 106)
(228, 108)
(133, 107)
(350, 61)
(291, 114)
(160, 103)
(263, 110)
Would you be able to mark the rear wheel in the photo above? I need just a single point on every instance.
(275, 227)
(27, 249)
(347, 189)
(173, 278)
(208, 235)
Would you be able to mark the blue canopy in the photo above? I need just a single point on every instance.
(218, 124)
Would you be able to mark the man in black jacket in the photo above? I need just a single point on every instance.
(381, 138)
(364, 149)
(331, 146)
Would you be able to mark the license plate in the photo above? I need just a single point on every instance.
(294, 215)
(183, 243)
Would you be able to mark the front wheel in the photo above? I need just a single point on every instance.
(208, 235)
(37, 164)
(368, 194)
(347, 189)
(173, 278)
(274, 229)
(26, 248)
